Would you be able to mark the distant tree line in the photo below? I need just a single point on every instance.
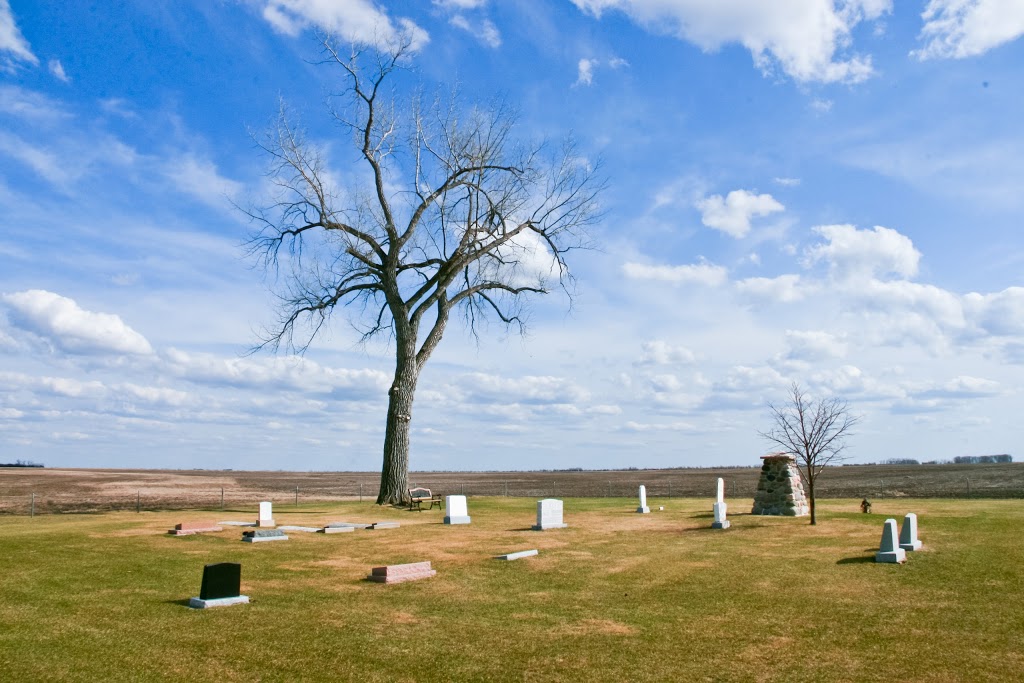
(981, 459)
(22, 463)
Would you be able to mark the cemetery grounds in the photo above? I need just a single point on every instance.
(616, 596)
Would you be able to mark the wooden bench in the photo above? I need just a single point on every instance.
(419, 495)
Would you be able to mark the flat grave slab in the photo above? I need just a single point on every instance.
(189, 528)
(517, 555)
(199, 603)
(336, 529)
(355, 525)
(398, 573)
(230, 523)
(384, 525)
(304, 529)
(263, 535)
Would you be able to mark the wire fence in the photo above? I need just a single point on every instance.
(703, 485)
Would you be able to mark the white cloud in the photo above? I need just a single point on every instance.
(200, 178)
(358, 21)
(659, 352)
(1000, 313)
(698, 273)
(30, 106)
(585, 75)
(11, 40)
(64, 324)
(966, 28)
(788, 182)
(805, 38)
(57, 69)
(460, 4)
(850, 252)
(732, 213)
(483, 387)
(281, 372)
(485, 31)
(813, 345)
(963, 386)
(821, 106)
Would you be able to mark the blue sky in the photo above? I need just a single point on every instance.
(817, 191)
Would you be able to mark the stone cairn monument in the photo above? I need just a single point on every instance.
(780, 490)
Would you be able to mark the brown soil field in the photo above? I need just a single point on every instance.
(44, 490)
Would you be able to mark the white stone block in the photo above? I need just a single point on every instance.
(264, 539)
(455, 506)
(199, 603)
(908, 533)
(516, 556)
(266, 517)
(888, 549)
(549, 515)
(720, 497)
(720, 521)
(643, 509)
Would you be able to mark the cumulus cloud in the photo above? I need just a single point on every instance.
(706, 274)
(13, 46)
(806, 39)
(731, 214)
(62, 323)
(783, 289)
(359, 21)
(999, 313)
(850, 252)
(813, 345)
(585, 72)
(966, 28)
(279, 372)
(658, 352)
(486, 388)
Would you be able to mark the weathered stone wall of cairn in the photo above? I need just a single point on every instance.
(780, 490)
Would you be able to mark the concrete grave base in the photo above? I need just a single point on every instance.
(644, 510)
(397, 573)
(306, 529)
(384, 525)
(199, 603)
(721, 525)
(189, 532)
(518, 555)
(539, 527)
(911, 547)
(893, 557)
(336, 529)
(458, 519)
(263, 539)
(265, 523)
(354, 525)
(237, 523)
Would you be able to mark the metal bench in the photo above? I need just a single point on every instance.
(419, 495)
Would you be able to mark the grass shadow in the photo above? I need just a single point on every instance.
(183, 602)
(863, 559)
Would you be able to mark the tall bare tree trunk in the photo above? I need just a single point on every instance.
(810, 494)
(394, 475)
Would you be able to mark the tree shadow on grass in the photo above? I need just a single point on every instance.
(862, 559)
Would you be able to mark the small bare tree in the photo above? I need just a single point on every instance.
(452, 214)
(814, 431)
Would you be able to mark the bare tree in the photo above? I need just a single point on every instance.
(453, 214)
(814, 431)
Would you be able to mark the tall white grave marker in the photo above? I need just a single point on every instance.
(908, 533)
(549, 515)
(456, 507)
(266, 515)
(643, 509)
(720, 508)
(889, 550)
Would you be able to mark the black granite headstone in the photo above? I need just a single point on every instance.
(223, 580)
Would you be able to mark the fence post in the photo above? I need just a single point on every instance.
(138, 501)
(506, 489)
(360, 492)
(609, 489)
(968, 487)
(32, 512)
(670, 489)
(463, 488)
(296, 496)
(222, 498)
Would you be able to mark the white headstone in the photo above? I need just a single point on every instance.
(889, 550)
(549, 515)
(643, 509)
(908, 533)
(721, 491)
(266, 515)
(720, 521)
(455, 506)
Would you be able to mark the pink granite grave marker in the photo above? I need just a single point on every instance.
(189, 528)
(397, 573)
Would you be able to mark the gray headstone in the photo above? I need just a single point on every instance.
(549, 515)
(888, 549)
(908, 533)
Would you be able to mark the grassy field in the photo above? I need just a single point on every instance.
(615, 597)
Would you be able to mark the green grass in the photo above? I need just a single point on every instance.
(617, 596)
